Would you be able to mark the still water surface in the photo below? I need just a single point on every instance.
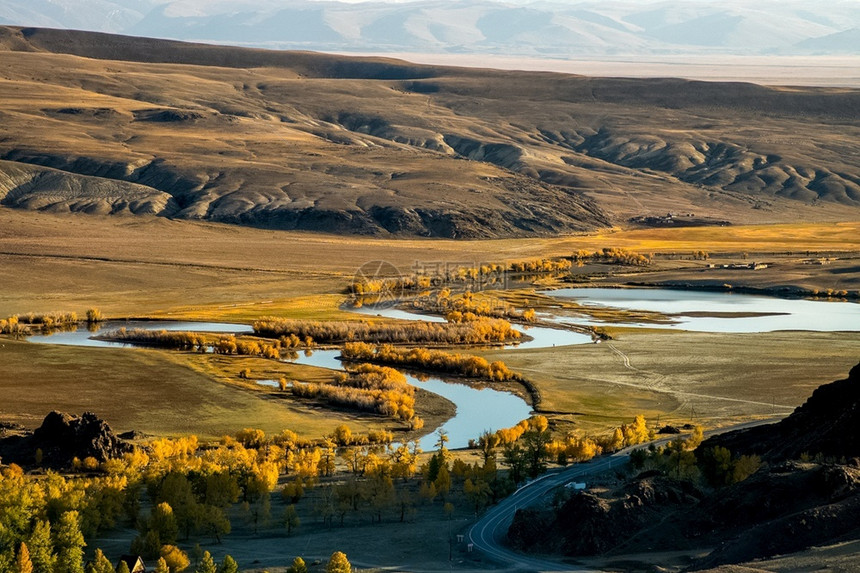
(487, 409)
(708, 311)
(477, 409)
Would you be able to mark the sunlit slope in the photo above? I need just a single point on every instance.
(296, 140)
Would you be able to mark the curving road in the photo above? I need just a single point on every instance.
(488, 534)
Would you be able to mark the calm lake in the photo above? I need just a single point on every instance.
(708, 311)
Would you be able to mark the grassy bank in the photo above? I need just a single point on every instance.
(683, 376)
(151, 391)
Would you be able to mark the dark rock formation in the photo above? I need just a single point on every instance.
(61, 438)
(788, 505)
(782, 511)
(167, 115)
(825, 424)
(588, 524)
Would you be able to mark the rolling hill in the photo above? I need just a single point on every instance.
(297, 140)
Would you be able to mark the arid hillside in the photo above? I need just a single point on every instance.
(295, 140)
(751, 494)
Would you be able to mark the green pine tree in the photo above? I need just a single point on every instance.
(229, 565)
(291, 519)
(70, 544)
(101, 564)
(163, 522)
(41, 548)
(7, 561)
(207, 564)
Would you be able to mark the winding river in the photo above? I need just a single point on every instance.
(541, 336)
(488, 409)
(477, 410)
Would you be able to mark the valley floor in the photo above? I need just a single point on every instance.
(154, 267)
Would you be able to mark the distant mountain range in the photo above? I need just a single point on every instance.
(546, 29)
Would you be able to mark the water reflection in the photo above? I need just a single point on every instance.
(82, 337)
(477, 410)
(709, 311)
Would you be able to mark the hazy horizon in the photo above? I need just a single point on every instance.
(539, 28)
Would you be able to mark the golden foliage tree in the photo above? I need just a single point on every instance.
(338, 563)
(23, 564)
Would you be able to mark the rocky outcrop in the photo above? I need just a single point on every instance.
(825, 424)
(786, 506)
(779, 511)
(589, 524)
(61, 438)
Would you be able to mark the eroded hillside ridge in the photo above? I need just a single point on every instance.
(825, 425)
(806, 492)
(295, 140)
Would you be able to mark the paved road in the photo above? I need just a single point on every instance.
(488, 534)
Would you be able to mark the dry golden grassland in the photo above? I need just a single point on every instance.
(679, 377)
(152, 266)
(190, 270)
(151, 391)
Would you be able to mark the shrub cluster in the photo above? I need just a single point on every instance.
(394, 285)
(432, 360)
(196, 342)
(541, 266)
(369, 388)
(478, 331)
(94, 315)
(465, 307)
(50, 319)
(681, 458)
(232, 345)
(614, 256)
(572, 447)
(159, 338)
(12, 325)
(484, 274)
